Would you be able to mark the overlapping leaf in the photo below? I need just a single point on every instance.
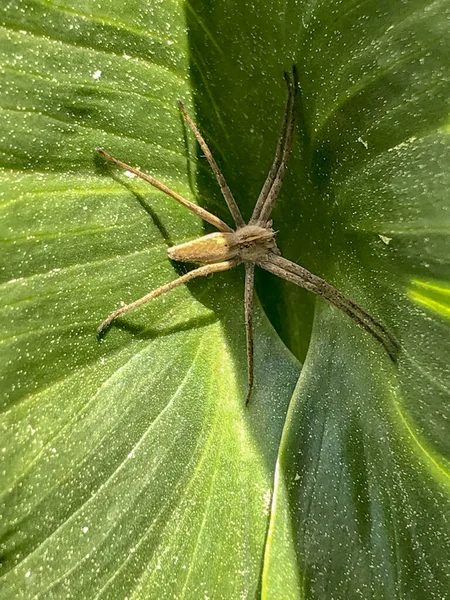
(362, 489)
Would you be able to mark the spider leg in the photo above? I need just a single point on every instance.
(226, 192)
(302, 277)
(276, 186)
(199, 272)
(248, 303)
(272, 185)
(198, 210)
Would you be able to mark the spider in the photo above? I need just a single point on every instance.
(251, 243)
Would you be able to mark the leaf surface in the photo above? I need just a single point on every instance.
(361, 502)
(130, 467)
(129, 462)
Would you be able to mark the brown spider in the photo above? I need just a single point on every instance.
(251, 243)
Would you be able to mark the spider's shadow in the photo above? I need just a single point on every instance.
(146, 333)
(105, 168)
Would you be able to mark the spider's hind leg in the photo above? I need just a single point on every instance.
(199, 272)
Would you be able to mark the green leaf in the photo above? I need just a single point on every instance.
(128, 461)
(130, 467)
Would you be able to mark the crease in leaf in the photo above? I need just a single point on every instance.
(281, 542)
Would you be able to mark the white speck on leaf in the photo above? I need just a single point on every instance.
(363, 142)
(385, 239)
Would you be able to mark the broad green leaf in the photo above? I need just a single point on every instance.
(130, 467)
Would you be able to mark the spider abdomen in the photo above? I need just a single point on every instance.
(212, 248)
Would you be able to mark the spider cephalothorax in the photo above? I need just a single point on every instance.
(250, 243)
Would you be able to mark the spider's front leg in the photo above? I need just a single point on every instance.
(271, 188)
(303, 278)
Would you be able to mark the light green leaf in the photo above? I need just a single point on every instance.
(130, 462)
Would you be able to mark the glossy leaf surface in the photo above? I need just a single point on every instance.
(130, 467)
